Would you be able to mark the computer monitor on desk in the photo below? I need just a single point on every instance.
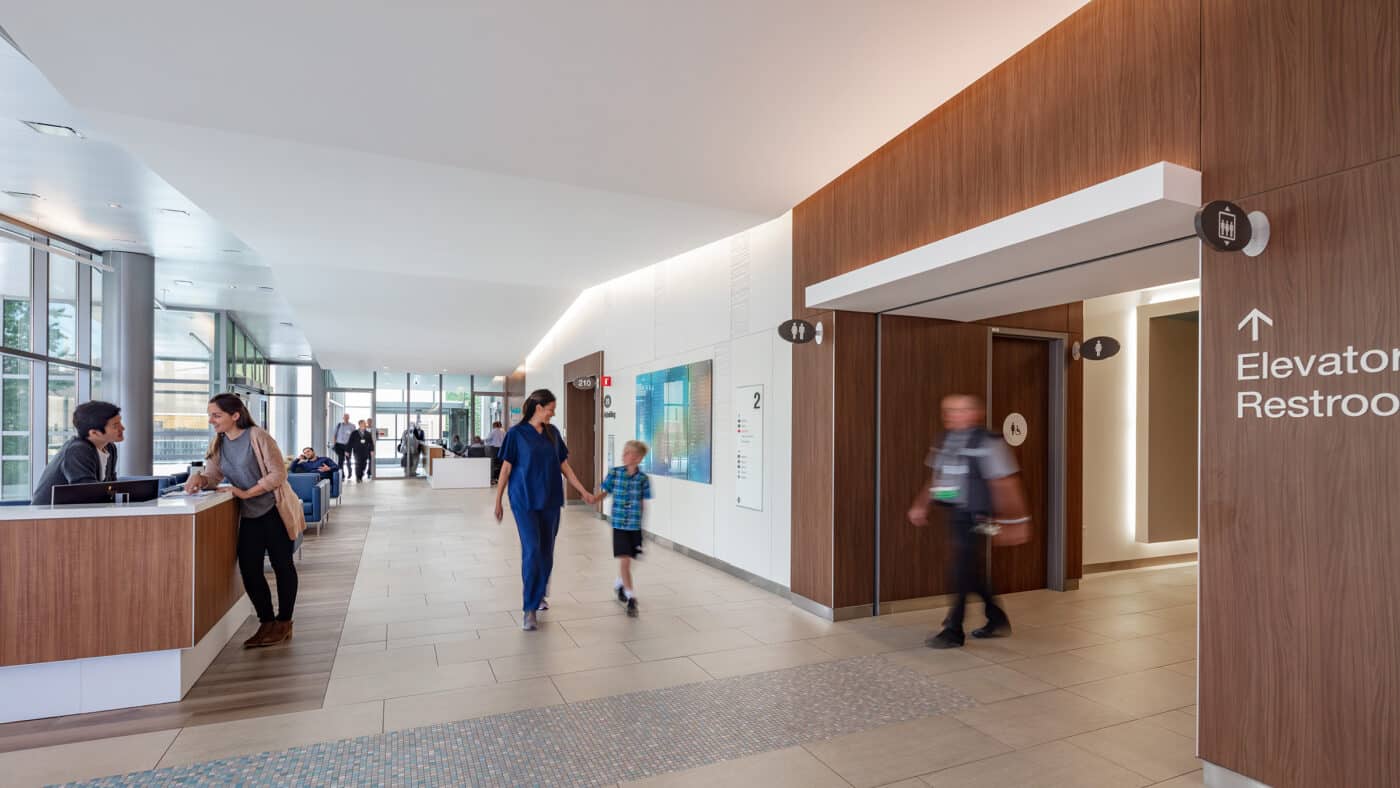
(105, 492)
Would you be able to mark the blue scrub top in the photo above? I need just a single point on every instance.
(536, 482)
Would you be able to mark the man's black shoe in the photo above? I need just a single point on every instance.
(993, 629)
(948, 638)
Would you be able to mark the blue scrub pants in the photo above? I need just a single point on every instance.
(538, 528)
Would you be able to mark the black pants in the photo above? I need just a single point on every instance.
(968, 573)
(341, 453)
(267, 534)
(361, 460)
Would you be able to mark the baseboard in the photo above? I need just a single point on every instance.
(1138, 563)
(729, 569)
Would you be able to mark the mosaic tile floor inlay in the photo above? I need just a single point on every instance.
(603, 741)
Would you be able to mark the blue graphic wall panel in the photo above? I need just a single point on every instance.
(674, 416)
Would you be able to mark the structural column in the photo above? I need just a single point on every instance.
(128, 353)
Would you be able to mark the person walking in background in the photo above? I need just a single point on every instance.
(629, 486)
(408, 447)
(90, 455)
(494, 441)
(974, 477)
(270, 513)
(373, 438)
(341, 443)
(361, 445)
(533, 457)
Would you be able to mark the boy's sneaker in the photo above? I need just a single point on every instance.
(632, 607)
(544, 604)
(621, 595)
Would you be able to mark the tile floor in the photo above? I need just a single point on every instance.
(1096, 686)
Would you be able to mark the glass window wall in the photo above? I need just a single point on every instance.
(16, 375)
(289, 407)
(96, 328)
(184, 367)
(15, 283)
(63, 398)
(63, 308)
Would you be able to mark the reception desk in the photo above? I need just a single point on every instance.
(460, 472)
(109, 606)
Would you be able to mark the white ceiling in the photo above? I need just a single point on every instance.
(433, 183)
(79, 180)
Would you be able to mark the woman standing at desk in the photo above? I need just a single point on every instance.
(532, 459)
(270, 514)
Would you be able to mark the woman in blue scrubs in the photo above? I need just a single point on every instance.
(534, 464)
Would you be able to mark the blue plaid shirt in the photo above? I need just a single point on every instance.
(628, 492)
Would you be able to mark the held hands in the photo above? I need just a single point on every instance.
(591, 499)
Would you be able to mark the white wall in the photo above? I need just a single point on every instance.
(1111, 430)
(724, 302)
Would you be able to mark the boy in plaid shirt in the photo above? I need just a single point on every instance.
(629, 486)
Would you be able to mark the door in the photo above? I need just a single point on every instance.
(1020, 386)
(580, 416)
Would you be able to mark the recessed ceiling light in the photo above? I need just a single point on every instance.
(125, 241)
(386, 367)
(24, 195)
(51, 129)
(285, 323)
(304, 355)
(233, 251)
(184, 283)
(233, 287)
(176, 211)
(114, 205)
(266, 288)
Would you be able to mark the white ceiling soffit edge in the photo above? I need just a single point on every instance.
(1147, 207)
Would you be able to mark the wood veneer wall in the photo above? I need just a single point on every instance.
(1299, 588)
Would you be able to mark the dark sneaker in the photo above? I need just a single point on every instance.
(948, 638)
(632, 607)
(621, 595)
(993, 629)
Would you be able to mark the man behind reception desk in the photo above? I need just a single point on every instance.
(89, 456)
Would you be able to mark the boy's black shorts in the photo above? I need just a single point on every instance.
(627, 543)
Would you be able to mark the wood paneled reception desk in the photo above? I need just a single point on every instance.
(108, 606)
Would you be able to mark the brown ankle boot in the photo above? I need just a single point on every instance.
(281, 631)
(259, 636)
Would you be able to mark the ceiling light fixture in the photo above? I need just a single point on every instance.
(176, 211)
(285, 323)
(51, 129)
(233, 251)
(233, 287)
(184, 283)
(126, 241)
(114, 205)
(24, 195)
(306, 356)
(266, 288)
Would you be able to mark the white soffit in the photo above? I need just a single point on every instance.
(1040, 256)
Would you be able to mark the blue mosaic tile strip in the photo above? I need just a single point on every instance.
(603, 741)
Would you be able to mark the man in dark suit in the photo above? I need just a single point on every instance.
(361, 445)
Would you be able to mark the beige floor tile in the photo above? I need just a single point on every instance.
(1193, 780)
(84, 760)
(689, 643)
(1184, 616)
(396, 615)
(604, 682)
(1142, 694)
(1036, 719)
(1130, 625)
(790, 768)
(416, 657)
(493, 643)
(465, 622)
(852, 645)
(781, 628)
(993, 683)
(357, 689)
(367, 633)
(1184, 668)
(932, 662)
(362, 648)
(1138, 654)
(1035, 641)
(1063, 670)
(553, 663)
(760, 659)
(593, 631)
(1147, 749)
(433, 640)
(907, 749)
(1179, 721)
(1054, 765)
(1130, 603)
(465, 704)
(267, 734)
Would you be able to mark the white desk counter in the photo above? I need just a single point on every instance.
(161, 507)
(452, 473)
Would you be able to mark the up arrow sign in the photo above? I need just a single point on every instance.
(1253, 319)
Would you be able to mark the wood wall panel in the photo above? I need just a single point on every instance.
(922, 360)
(217, 584)
(1048, 121)
(1300, 596)
(94, 587)
(1296, 89)
(853, 506)
(813, 441)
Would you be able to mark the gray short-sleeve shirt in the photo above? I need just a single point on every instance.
(240, 467)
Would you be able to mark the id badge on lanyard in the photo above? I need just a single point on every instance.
(948, 482)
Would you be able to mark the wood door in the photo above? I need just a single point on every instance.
(580, 416)
(1021, 384)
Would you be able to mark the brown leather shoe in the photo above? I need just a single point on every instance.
(281, 631)
(259, 636)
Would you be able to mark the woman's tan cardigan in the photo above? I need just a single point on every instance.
(274, 477)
